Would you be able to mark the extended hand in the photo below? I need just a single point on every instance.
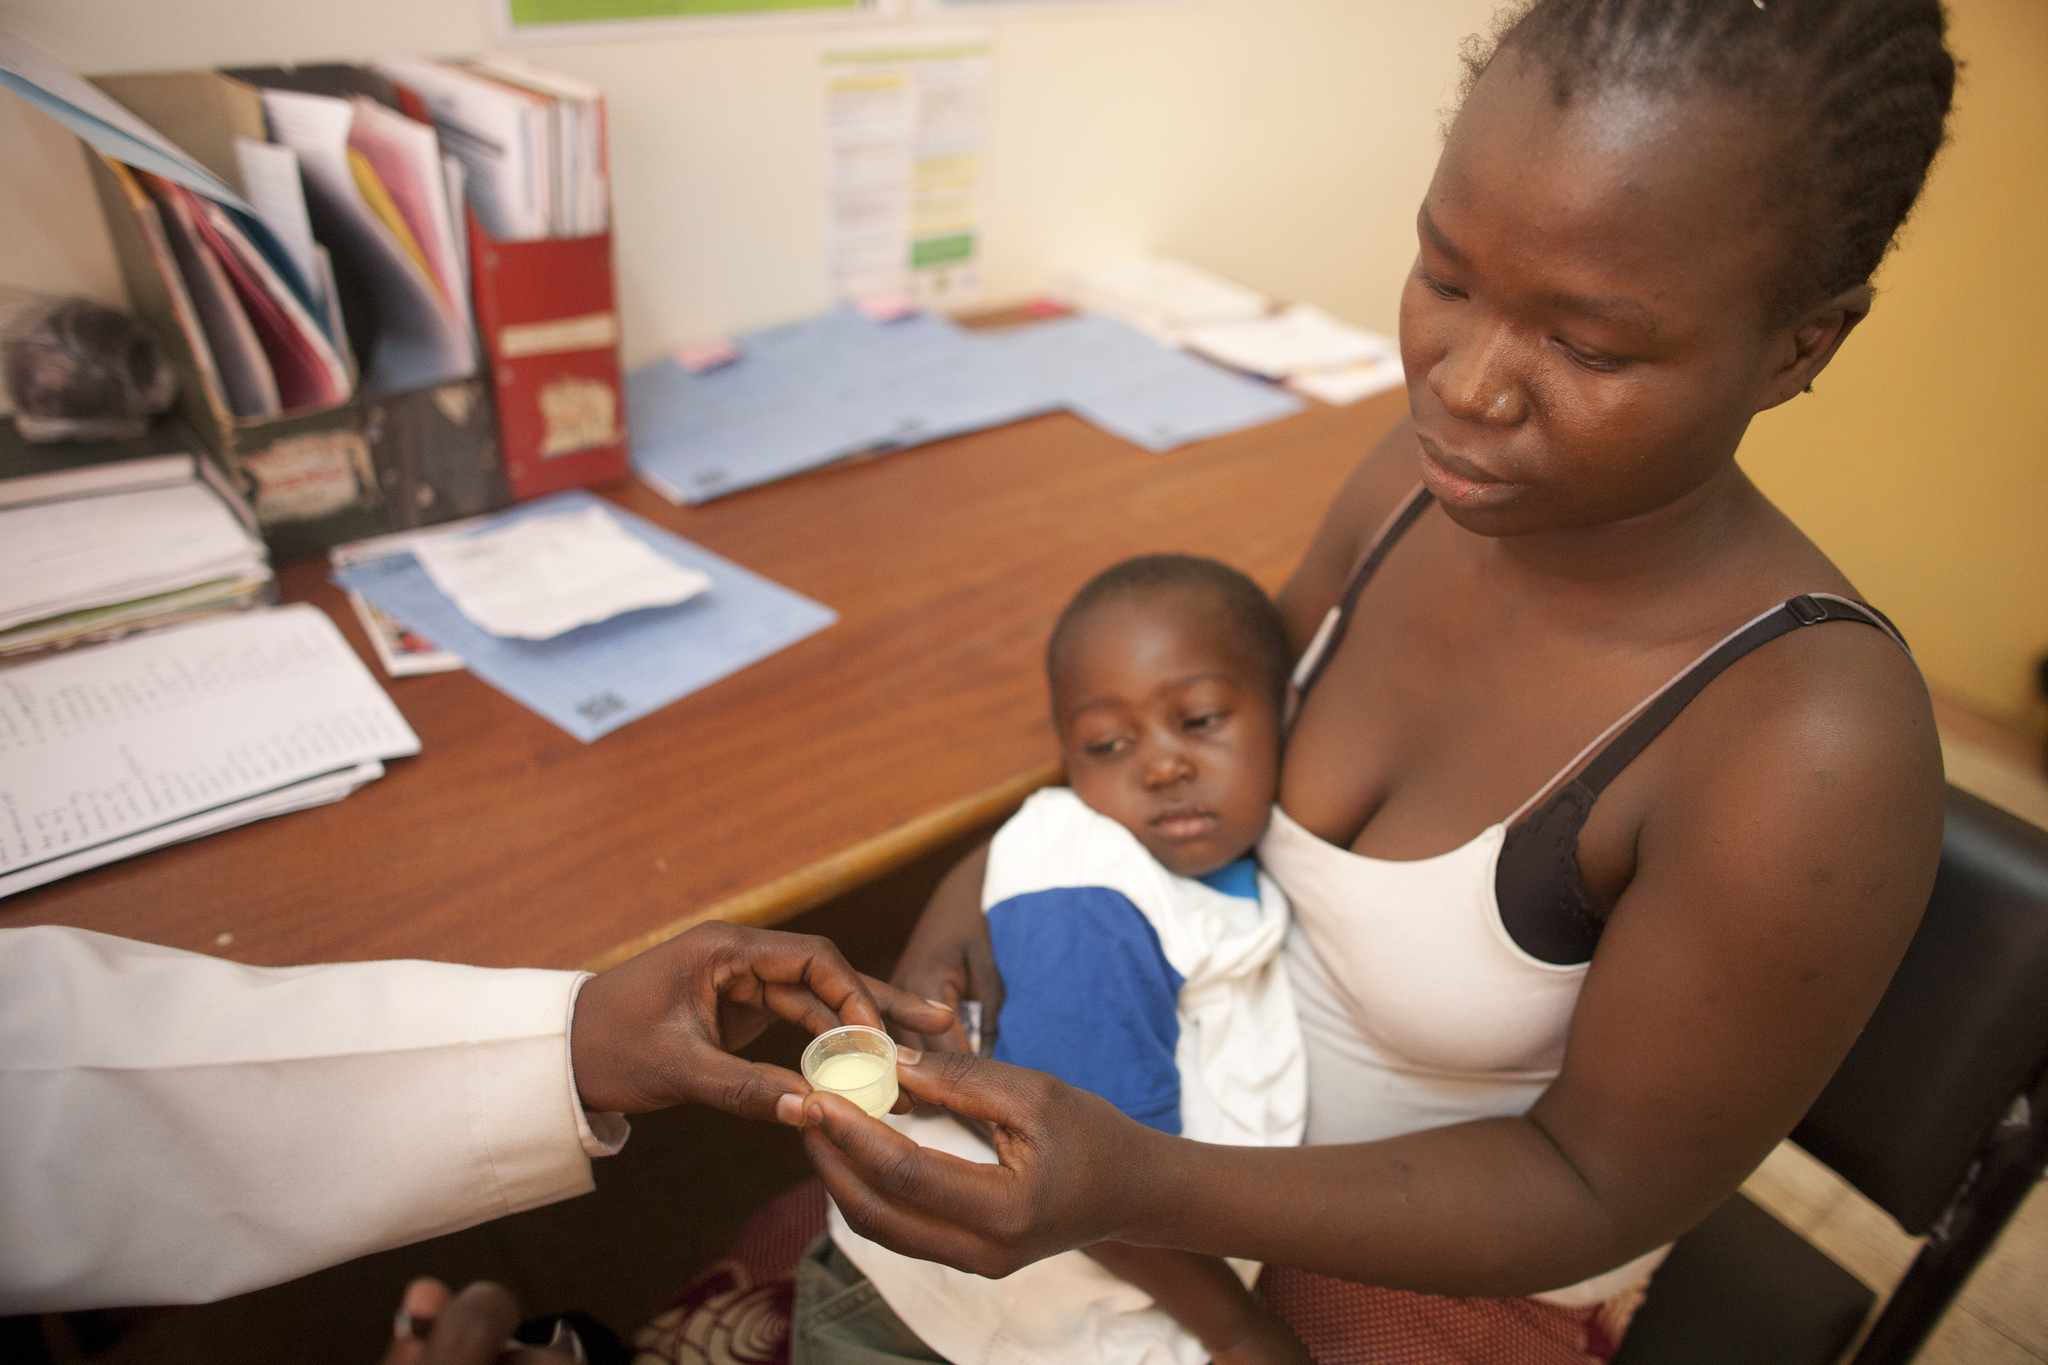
(660, 1029)
(1067, 1178)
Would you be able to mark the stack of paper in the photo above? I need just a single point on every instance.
(532, 141)
(1313, 352)
(1162, 297)
(92, 552)
(115, 750)
(592, 678)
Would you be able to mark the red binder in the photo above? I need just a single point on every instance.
(551, 330)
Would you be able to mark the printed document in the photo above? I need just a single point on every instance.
(110, 750)
(534, 578)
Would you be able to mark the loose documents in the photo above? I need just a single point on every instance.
(1290, 341)
(533, 578)
(596, 678)
(812, 392)
(110, 751)
(1134, 387)
(1162, 297)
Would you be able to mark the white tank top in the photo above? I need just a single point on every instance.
(1418, 1009)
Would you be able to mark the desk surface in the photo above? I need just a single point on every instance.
(920, 715)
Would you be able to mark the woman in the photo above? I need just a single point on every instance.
(1565, 981)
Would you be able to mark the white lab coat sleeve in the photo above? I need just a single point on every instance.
(175, 1128)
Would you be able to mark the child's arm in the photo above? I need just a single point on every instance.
(949, 958)
(1204, 1295)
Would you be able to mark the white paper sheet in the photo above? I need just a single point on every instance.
(270, 173)
(1340, 388)
(1162, 297)
(1295, 339)
(107, 751)
(537, 577)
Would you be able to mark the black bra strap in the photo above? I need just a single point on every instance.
(1803, 610)
(1537, 886)
(1328, 638)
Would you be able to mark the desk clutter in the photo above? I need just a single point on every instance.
(181, 732)
(610, 618)
(94, 551)
(385, 290)
(1163, 355)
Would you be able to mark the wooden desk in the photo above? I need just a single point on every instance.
(920, 715)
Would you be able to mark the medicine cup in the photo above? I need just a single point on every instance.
(855, 1061)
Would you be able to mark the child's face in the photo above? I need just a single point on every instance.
(1586, 328)
(1167, 728)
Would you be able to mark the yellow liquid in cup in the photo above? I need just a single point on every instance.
(869, 1081)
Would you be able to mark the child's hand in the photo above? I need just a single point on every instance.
(1266, 1341)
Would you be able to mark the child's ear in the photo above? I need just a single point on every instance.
(1810, 343)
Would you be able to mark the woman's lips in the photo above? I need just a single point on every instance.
(1454, 479)
(1185, 824)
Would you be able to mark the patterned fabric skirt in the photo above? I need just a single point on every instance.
(737, 1311)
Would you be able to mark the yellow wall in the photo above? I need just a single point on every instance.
(1920, 462)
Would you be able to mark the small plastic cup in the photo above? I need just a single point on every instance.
(855, 1061)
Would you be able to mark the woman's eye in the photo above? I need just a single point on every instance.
(1438, 287)
(1599, 364)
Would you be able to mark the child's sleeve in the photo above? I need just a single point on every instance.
(1089, 996)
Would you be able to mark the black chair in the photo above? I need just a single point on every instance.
(1939, 1115)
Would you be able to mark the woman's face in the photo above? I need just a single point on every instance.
(1585, 330)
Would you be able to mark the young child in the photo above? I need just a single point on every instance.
(1138, 945)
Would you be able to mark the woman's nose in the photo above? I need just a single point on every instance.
(1476, 381)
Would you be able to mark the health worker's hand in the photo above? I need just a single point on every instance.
(470, 1328)
(1071, 1174)
(661, 1029)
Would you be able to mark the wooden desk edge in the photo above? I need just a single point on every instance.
(787, 896)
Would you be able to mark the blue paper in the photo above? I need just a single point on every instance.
(596, 678)
(1132, 386)
(816, 391)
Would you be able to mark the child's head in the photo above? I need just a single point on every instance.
(1652, 220)
(1168, 675)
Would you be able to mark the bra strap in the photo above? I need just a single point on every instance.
(1337, 620)
(1537, 886)
(1807, 609)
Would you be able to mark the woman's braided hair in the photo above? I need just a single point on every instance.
(1861, 88)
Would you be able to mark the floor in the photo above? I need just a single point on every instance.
(691, 1177)
(2001, 1318)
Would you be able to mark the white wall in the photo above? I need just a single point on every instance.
(1285, 143)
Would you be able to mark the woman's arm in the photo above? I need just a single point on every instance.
(1784, 856)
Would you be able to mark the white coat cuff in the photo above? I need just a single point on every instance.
(602, 1132)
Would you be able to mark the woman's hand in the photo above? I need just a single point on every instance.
(660, 1029)
(949, 958)
(1071, 1171)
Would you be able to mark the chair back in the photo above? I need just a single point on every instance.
(1961, 1033)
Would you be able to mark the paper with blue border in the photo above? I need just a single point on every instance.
(596, 678)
